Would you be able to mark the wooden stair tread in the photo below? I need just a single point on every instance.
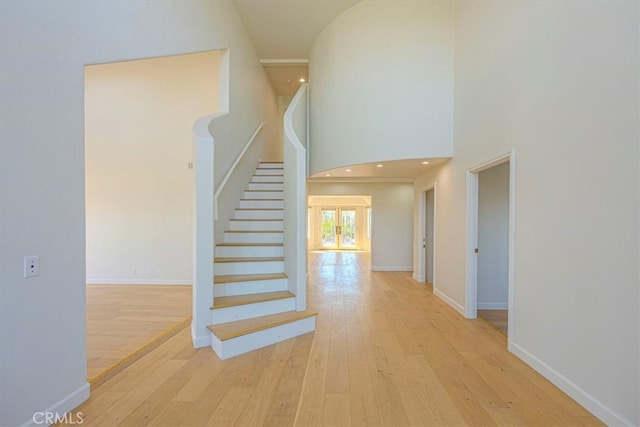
(236, 300)
(247, 259)
(250, 244)
(233, 278)
(236, 329)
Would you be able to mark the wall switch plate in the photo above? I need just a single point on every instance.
(31, 266)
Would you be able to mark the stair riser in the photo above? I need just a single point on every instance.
(251, 287)
(261, 204)
(249, 251)
(263, 195)
(265, 186)
(268, 165)
(250, 267)
(248, 311)
(245, 343)
(259, 214)
(256, 225)
(267, 178)
(253, 237)
(264, 172)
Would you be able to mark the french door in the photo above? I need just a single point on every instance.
(338, 228)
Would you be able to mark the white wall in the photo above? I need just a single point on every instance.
(272, 151)
(392, 213)
(45, 46)
(558, 81)
(139, 191)
(267, 146)
(366, 104)
(493, 237)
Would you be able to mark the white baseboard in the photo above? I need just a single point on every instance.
(415, 276)
(493, 306)
(91, 281)
(457, 307)
(60, 408)
(200, 341)
(391, 268)
(590, 403)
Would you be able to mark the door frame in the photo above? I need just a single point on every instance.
(421, 273)
(338, 210)
(471, 285)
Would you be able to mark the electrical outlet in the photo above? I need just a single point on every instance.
(31, 266)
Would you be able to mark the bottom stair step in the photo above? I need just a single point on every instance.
(233, 308)
(226, 331)
(234, 338)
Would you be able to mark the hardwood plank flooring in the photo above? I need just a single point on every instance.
(496, 318)
(123, 318)
(386, 352)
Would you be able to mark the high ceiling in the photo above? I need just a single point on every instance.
(285, 29)
(283, 32)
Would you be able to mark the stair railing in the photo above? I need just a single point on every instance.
(209, 131)
(295, 195)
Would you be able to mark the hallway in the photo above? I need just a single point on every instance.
(386, 351)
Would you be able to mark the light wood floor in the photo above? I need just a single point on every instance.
(386, 352)
(122, 319)
(496, 318)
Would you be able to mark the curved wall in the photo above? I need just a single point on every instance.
(381, 84)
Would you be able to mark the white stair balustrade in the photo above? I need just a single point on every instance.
(253, 306)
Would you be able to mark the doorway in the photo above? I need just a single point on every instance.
(338, 228)
(137, 245)
(425, 270)
(490, 201)
(428, 240)
(339, 222)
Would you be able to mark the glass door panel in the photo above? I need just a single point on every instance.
(329, 230)
(338, 228)
(348, 229)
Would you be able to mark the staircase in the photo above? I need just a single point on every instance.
(253, 305)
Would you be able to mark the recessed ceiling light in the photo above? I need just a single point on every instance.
(379, 166)
(302, 80)
(347, 170)
(328, 174)
(425, 163)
